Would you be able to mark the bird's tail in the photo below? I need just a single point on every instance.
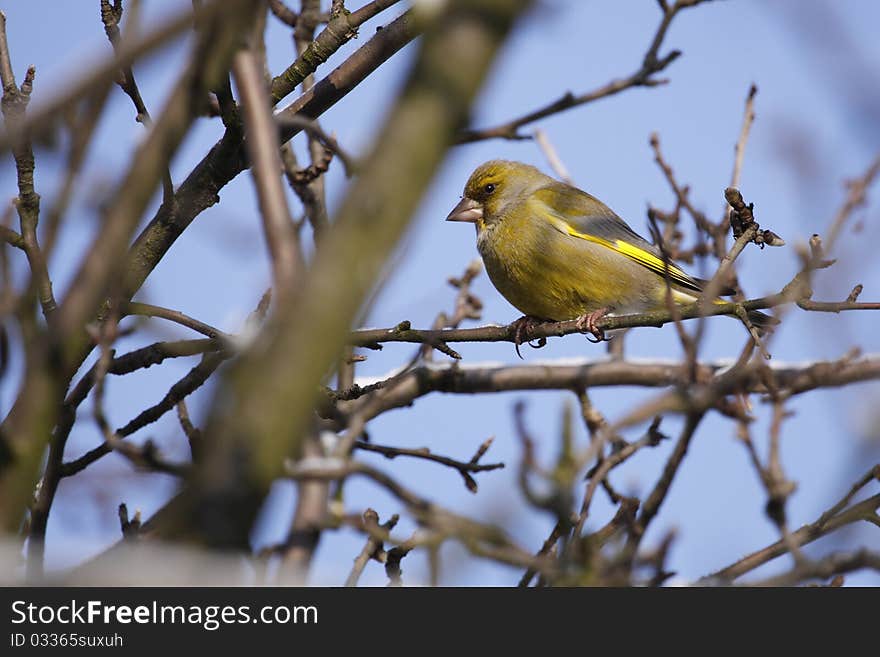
(763, 322)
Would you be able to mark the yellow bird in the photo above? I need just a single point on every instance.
(557, 253)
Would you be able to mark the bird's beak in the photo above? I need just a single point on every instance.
(466, 210)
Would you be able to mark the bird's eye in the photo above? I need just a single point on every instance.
(489, 188)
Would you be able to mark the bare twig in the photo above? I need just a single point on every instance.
(652, 503)
(149, 310)
(111, 16)
(652, 63)
(283, 13)
(130, 526)
(14, 104)
(373, 548)
(464, 468)
(480, 539)
(596, 477)
(834, 518)
(833, 564)
(552, 156)
(314, 129)
(739, 150)
(193, 380)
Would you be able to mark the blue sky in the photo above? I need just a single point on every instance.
(815, 126)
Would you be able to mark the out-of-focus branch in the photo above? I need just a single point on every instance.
(552, 156)
(373, 547)
(270, 410)
(225, 160)
(19, 445)
(702, 222)
(216, 350)
(193, 434)
(198, 191)
(312, 497)
(217, 42)
(283, 13)
(44, 118)
(81, 129)
(480, 539)
(833, 564)
(652, 63)
(833, 519)
(263, 150)
(142, 358)
(149, 310)
(309, 518)
(467, 306)
(11, 237)
(36, 409)
(857, 189)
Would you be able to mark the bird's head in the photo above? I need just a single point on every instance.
(492, 187)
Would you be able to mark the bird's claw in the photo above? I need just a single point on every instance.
(587, 324)
(521, 330)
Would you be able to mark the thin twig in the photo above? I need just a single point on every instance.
(314, 129)
(111, 16)
(834, 518)
(463, 468)
(652, 63)
(150, 310)
(373, 548)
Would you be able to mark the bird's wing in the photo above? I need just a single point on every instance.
(585, 217)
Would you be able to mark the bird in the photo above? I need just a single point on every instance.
(557, 253)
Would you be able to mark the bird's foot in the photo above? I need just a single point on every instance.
(587, 324)
(521, 330)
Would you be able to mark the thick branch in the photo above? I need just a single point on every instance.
(477, 378)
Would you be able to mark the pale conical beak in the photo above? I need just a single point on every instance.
(466, 210)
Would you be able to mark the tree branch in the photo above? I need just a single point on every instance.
(833, 519)
(464, 468)
(652, 64)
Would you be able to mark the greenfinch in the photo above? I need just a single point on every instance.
(557, 253)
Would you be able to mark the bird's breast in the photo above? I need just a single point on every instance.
(546, 274)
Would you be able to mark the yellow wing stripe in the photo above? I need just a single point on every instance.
(644, 258)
